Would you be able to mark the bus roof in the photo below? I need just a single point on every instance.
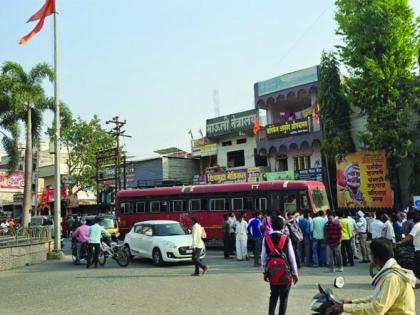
(216, 188)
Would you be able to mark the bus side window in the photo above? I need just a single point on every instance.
(177, 206)
(126, 208)
(217, 204)
(195, 205)
(237, 204)
(260, 204)
(154, 206)
(140, 207)
(304, 204)
(248, 202)
(204, 204)
(164, 206)
(289, 203)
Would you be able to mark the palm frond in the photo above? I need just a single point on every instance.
(14, 71)
(40, 72)
(10, 145)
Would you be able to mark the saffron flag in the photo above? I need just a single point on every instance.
(47, 9)
(256, 129)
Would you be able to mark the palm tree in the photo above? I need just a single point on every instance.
(24, 101)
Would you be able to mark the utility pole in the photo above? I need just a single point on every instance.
(117, 132)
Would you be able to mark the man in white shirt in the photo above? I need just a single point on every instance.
(4, 227)
(241, 235)
(415, 237)
(389, 232)
(362, 227)
(377, 227)
(355, 234)
(197, 245)
(232, 222)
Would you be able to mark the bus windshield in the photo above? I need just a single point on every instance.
(319, 196)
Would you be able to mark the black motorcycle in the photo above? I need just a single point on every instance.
(325, 298)
(83, 251)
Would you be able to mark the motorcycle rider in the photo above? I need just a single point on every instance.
(393, 285)
(95, 233)
(81, 234)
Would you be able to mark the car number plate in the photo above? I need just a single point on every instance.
(189, 251)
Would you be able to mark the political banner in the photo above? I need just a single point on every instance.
(362, 181)
(15, 180)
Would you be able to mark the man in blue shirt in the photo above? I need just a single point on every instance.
(254, 229)
(305, 224)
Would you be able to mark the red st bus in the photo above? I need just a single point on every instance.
(210, 202)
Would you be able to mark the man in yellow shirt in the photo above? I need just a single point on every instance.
(393, 294)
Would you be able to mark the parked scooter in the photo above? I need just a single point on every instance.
(325, 298)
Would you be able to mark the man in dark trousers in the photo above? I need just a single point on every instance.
(278, 291)
(254, 229)
(227, 246)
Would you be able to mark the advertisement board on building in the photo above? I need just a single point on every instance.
(362, 181)
(205, 150)
(243, 121)
(289, 80)
(416, 202)
(285, 175)
(15, 180)
(314, 173)
(227, 177)
(296, 127)
(254, 174)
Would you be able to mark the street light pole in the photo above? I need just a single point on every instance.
(57, 175)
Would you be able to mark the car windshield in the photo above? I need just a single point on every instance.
(169, 229)
(107, 223)
(319, 196)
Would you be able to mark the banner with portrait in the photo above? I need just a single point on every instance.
(362, 181)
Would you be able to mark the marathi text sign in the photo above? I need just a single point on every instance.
(15, 180)
(243, 121)
(362, 181)
(299, 126)
(314, 173)
(228, 177)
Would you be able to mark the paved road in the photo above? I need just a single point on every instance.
(230, 287)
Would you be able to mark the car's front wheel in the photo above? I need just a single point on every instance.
(157, 257)
(128, 249)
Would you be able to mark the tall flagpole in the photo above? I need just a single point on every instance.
(57, 175)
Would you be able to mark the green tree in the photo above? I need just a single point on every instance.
(82, 139)
(23, 101)
(334, 110)
(335, 117)
(380, 49)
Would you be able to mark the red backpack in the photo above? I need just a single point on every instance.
(277, 266)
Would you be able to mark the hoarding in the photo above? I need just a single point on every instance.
(362, 181)
(296, 127)
(15, 180)
(287, 81)
(285, 175)
(314, 173)
(243, 121)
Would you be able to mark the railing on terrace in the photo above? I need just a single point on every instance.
(25, 236)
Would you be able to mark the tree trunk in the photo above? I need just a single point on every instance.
(27, 192)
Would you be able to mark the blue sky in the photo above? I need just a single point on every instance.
(156, 63)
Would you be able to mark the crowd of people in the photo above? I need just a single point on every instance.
(328, 239)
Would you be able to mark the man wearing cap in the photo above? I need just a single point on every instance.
(362, 226)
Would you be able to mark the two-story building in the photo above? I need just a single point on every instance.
(291, 139)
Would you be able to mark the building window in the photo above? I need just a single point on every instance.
(282, 163)
(236, 158)
(302, 162)
(226, 143)
(241, 141)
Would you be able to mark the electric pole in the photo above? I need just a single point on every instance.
(117, 132)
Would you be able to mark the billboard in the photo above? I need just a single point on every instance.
(289, 80)
(15, 180)
(243, 121)
(362, 181)
(297, 127)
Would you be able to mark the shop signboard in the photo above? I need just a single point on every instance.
(15, 180)
(228, 177)
(314, 173)
(416, 202)
(254, 174)
(287, 81)
(362, 181)
(285, 175)
(243, 121)
(286, 129)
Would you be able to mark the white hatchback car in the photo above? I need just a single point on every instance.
(160, 240)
